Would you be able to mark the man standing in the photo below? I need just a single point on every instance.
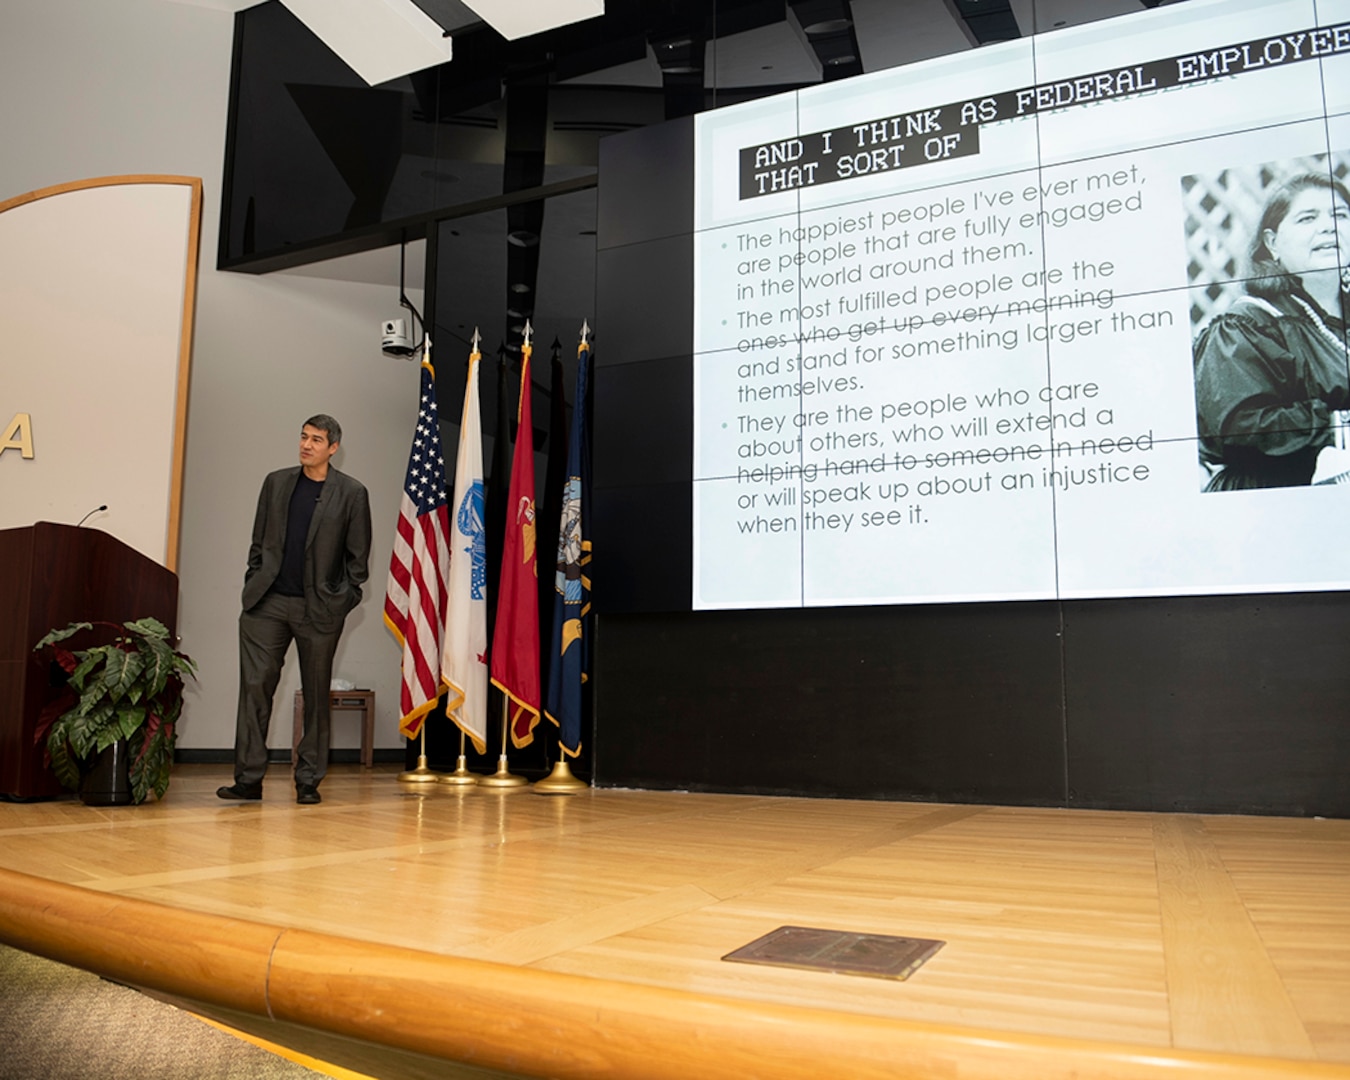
(311, 540)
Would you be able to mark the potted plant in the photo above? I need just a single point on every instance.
(125, 695)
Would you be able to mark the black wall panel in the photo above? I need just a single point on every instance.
(647, 185)
(1235, 704)
(648, 434)
(643, 532)
(1197, 704)
(942, 703)
(645, 295)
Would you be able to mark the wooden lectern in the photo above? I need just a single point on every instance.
(51, 575)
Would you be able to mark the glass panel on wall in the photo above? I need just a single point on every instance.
(495, 271)
(318, 160)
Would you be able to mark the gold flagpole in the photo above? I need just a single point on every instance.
(503, 777)
(421, 774)
(561, 781)
(461, 777)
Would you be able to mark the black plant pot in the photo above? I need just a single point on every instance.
(106, 782)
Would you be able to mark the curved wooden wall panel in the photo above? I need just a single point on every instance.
(123, 262)
(545, 1024)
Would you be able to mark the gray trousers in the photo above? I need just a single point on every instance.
(265, 633)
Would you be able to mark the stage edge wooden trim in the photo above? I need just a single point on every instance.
(546, 1024)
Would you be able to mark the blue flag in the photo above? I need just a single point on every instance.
(572, 580)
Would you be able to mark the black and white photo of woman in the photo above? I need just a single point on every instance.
(1271, 369)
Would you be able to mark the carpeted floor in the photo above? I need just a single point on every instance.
(59, 1023)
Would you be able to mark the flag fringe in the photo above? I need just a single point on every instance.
(405, 722)
(521, 707)
(558, 724)
(478, 745)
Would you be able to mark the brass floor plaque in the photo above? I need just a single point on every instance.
(880, 956)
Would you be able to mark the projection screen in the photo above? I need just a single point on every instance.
(1057, 318)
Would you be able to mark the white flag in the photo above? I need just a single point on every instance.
(464, 656)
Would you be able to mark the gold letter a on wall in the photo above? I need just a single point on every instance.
(18, 435)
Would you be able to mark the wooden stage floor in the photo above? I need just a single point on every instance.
(1189, 932)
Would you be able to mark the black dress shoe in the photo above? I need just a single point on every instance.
(307, 794)
(240, 791)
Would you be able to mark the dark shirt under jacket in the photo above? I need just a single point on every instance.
(291, 578)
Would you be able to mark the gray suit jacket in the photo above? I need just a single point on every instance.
(336, 549)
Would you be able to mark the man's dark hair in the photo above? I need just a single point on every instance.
(328, 424)
(1268, 278)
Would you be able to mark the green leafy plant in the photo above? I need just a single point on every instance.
(130, 689)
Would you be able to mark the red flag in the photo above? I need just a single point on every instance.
(515, 637)
(414, 601)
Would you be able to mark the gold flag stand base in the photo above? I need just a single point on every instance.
(502, 778)
(560, 782)
(461, 777)
(419, 775)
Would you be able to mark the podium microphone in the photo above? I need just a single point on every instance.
(95, 510)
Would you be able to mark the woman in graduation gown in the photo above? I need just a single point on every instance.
(1271, 372)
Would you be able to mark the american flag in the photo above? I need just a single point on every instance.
(414, 601)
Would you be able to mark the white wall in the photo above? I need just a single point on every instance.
(89, 88)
